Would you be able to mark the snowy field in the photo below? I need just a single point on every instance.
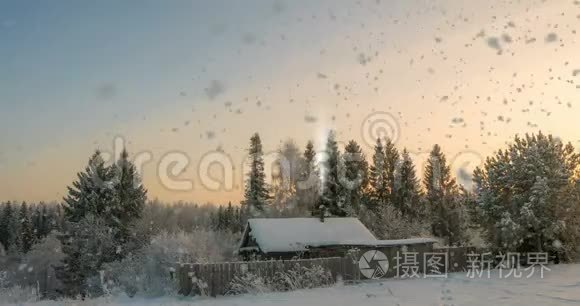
(560, 286)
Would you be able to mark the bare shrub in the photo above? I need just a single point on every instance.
(299, 277)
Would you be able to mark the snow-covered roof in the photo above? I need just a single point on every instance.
(379, 243)
(298, 234)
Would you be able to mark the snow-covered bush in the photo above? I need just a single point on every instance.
(248, 283)
(147, 272)
(34, 269)
(18, 295)
(299, 277)
(302, 277)
(387, 222)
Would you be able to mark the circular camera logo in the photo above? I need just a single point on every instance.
(373, 264)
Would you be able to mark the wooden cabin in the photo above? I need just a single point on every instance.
(287, 238)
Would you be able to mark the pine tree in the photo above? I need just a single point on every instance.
(437, 177)
(407, 192)
(7, 230)
(390, 166)
(256, 193)
(332, 200)
(87, 244)
(41, 221)
(442, 195)
(220, 224)
(37, 222)
(130, 197)
(229, 218)
(46, 221)
(377, 177)
(26, 230)
(92, 193)
(110, 198)
(355, 177)
(308, 186)
(526, 196)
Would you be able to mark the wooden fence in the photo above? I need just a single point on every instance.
(214, 278)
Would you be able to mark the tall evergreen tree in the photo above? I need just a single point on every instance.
(92, 193)
(46, 221)
(407, 193)
(87, 245)
(7, 229)
(37, 222)
(332, 200)
(238, 225)
(114, 194)
(256, 193)
(355, 177)
(390, 166)
(308, 186)
(378, 177)
(130, 197)
(528, 196)
(110, 198)
(229, 218)
(220, 219)
(437, 176)
(26, 231)
(442, 195)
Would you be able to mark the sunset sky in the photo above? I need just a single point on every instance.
(198, 78)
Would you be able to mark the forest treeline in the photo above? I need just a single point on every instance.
(525, 198)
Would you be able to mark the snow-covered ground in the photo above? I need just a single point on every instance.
(560, 286)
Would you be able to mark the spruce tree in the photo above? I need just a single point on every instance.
(308, 186)
(256, 193)
(390, 166)
(92, 193)
(41, 221)
(130, 197)
(26, 230)
(378, 177)
(87, 244)
(7, 230)
(355, 177)
(443, 199)
(407, 193)
(238, 225)
(220, 222)
(527, 196)
(110, 198)
(229, 218)
(332, 200)
(46, 221)
(37, 222)
(437, 176)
